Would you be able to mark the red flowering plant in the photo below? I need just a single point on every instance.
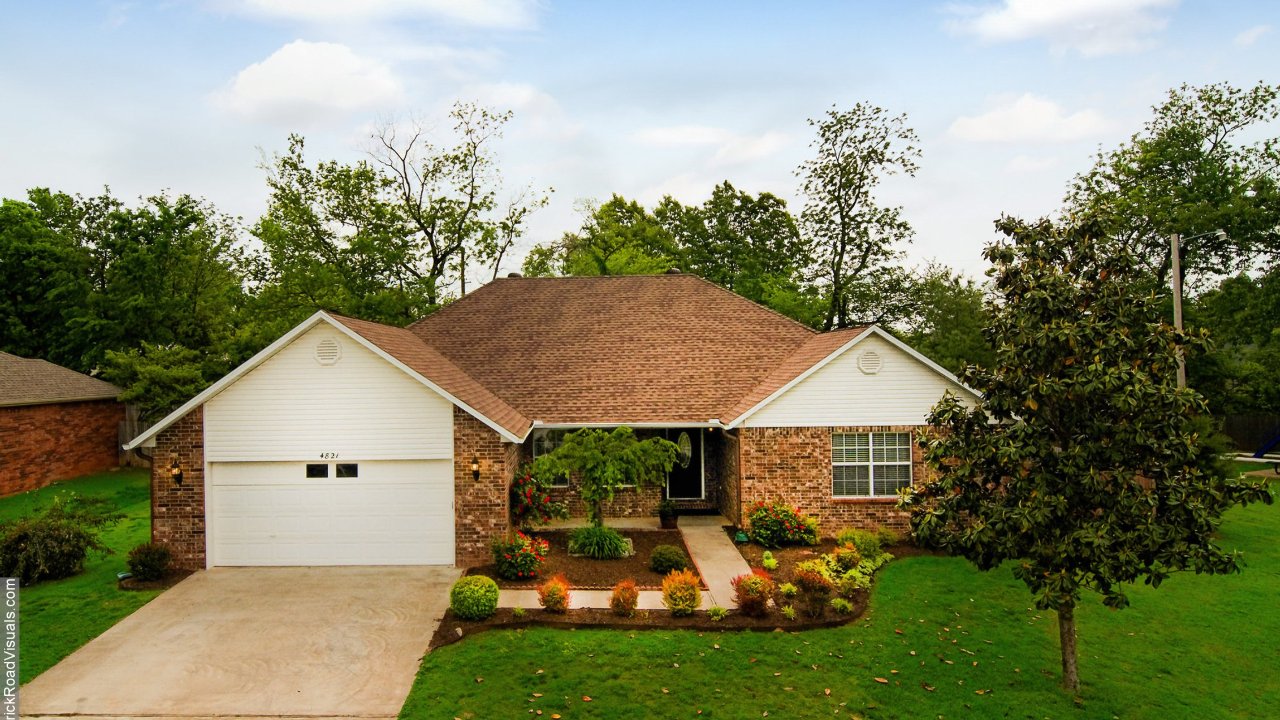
(776, 523)
(519, 556)
(531, 502)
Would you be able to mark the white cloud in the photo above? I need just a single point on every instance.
(1030, 164)
(1090, 27)
(1252, 35)
(1028, 118)
(730, 148)
(478, 13)
(537, 113)
(306, 82)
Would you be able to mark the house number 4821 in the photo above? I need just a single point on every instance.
(328, 456)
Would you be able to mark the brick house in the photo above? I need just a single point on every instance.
(55, 424)
(351, 442)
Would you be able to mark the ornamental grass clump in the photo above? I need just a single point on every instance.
(624, 599)
(518, 556)
(752, 592)
(474, 597)
(553, 595)
(681, 593)
(598, 542)
(774, 524)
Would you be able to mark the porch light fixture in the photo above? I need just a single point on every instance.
(175, 472)
(475, 468)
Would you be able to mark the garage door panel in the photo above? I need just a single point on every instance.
(394, 513)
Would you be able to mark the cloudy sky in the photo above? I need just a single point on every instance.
(1010, 98)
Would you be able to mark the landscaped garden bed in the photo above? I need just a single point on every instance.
(452, 628)
(587, 573)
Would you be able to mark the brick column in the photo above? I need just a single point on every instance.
(177, 511)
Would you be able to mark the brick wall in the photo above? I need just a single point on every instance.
(480, 506)
(42, 444)
(177, 511)
(730, 489)
(794, 464)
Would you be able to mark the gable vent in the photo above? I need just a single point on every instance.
(328, 351)
(869, 362)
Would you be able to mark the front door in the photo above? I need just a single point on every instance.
(685, 480)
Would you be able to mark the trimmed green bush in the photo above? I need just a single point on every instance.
(474, 597)
(598, 542)
(717, 613)
(666, 558)
(149, 561)
(768, 561)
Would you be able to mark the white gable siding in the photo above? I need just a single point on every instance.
(293, 408)
(840, 394)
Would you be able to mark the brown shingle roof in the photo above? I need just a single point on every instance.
(631, 349)
(410, 350)
(26, 381)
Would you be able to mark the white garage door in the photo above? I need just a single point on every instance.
(331, 513)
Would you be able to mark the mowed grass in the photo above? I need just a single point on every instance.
(948, 641)
(58, 617)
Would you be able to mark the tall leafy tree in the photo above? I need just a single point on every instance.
(1208, 160)
(950, 318)
(855, 239)
(44, 286)
(389, 238)
(602, 461)
(748, 244)
(1083, 463)
(617, 237)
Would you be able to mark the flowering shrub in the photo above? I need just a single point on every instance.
(518, 556)
(553, 595)
(624, 598)
(773, 524)
(680, 592)
(752, 592)
(531, 501)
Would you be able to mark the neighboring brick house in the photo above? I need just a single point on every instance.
(351, 442)
(55, 424)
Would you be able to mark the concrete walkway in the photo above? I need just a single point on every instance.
(710, 549)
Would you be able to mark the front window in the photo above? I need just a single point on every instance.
(544, 441)
(870, 464)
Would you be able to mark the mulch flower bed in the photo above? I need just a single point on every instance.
(171, 578)
(453, 629)
(584, 573)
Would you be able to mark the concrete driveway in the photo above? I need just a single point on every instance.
(328, 642)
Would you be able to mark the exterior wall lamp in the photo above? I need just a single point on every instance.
(475, 468)
(175, 472)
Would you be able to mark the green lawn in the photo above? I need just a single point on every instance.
(58, 617)
(950, 641)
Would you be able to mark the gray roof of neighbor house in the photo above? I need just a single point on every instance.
(26, 381)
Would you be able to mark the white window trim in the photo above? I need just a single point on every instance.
(870, 464)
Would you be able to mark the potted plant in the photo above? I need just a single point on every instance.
(668, 514)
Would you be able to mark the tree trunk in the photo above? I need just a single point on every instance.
(1067, 639)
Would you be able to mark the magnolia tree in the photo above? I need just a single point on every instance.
(1083, 462)
(603, 461)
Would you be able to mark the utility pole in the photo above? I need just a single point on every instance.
(1177, 306)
